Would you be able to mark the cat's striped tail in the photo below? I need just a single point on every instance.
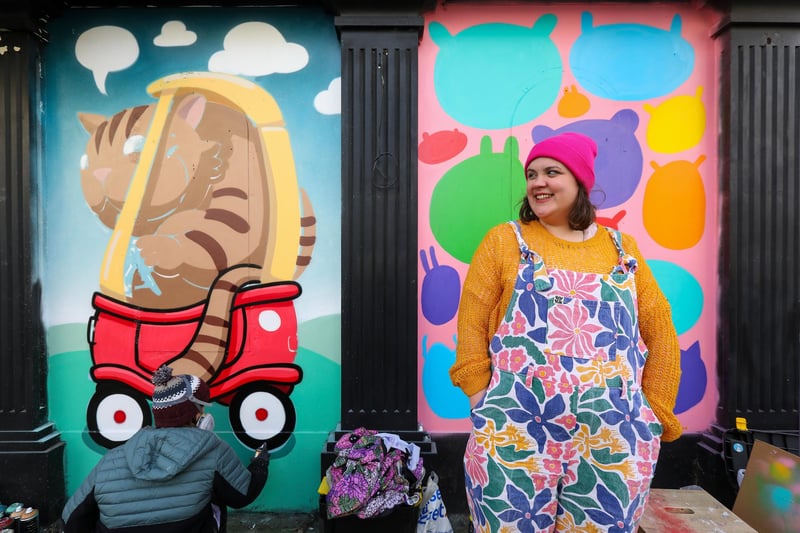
(206, 353)
(308, 234)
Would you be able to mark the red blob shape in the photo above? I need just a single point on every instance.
(441, 146)
(612, 222)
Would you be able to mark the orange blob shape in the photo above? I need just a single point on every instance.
(674, 206)
(573, 103)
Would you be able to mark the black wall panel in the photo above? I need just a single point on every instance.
(21, 350)
(379, 223)
(759, 351)
(31, 451)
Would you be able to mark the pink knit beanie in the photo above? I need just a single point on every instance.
(574, 150)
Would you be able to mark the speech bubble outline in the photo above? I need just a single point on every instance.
(105, 49)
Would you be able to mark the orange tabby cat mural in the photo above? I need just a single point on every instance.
(199, 190)
(206, 205)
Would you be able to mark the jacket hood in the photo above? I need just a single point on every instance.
(161, 454)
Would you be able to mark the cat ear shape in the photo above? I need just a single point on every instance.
(90, 121)
(192, 108)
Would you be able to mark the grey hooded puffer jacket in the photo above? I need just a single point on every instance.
(163, 480)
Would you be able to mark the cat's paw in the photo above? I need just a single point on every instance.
(159, 251)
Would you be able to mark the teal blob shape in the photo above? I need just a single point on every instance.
(780, 498)
(683, 291)
(496, 75)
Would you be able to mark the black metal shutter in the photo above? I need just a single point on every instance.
(31, 451)
(379, 222)
(759, 349)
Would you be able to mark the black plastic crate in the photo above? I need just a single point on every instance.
(738, 444)
(401, 519)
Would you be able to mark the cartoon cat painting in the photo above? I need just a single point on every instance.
(205, 211)
(202, 225)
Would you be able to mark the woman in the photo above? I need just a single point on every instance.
(567, 351)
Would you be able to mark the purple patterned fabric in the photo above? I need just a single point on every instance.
(365, 479)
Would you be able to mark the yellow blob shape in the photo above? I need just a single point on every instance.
(677, 124)
(780, 472)
(573, 103)
(674, 205)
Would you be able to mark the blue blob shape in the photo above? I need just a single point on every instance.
(445, 399)
(441, 290)
(631, 61)
(683, 292)
(694, 379)
(618, 166)
(495, 76)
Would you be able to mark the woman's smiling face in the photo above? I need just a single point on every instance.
(551, 189)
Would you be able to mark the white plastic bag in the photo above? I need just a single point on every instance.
(433, 514)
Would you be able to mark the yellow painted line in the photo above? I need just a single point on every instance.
(280, 260)
(112, 272)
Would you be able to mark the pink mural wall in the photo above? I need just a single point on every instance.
(641, 81)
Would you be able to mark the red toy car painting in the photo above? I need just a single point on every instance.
(258, 374)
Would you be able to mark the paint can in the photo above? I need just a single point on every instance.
(6, 524)
(15, 517)
(28, 521)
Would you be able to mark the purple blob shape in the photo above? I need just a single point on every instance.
(618, 167)
(441, 290)
(694, 379)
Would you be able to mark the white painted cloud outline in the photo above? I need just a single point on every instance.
(257, 49)
(329, 101)
(174, 33)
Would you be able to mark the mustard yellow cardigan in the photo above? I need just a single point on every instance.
(490, 284)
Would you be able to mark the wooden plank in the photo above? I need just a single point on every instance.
(687, 511)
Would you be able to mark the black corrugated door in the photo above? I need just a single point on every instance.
(379, 225)
(760, 303)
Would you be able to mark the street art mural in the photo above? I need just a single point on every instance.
(174, 190)
(199, 167)
(496, 80)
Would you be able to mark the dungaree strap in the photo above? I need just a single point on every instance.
(626, 262)
(524, 251)
(536, 269)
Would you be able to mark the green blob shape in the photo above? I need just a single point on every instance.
(476, 195)
(683, 291)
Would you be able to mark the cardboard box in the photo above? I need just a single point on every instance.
(769, 497)
(688, 511)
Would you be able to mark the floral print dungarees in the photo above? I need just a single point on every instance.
(564, 439)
